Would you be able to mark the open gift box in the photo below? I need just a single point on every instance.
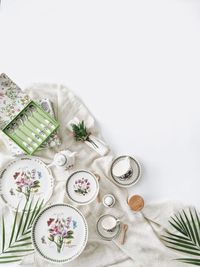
(22, 120)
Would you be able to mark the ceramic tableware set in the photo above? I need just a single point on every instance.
(60, 231)
(125, 172)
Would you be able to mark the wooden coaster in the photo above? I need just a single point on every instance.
(136, 203)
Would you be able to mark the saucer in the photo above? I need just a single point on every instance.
(108, 236)
(135, 176)
(82, 187)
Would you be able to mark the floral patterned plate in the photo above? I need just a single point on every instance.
(25, 178)
(82, 187)
(60, 233)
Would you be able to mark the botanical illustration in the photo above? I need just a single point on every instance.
(27, 181)
(60, 231)
(82, 186)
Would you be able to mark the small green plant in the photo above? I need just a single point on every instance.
(186, 238)
(18, 244)
(81, 133)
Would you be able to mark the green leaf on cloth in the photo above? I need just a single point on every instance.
(186, 224)
(19, 242)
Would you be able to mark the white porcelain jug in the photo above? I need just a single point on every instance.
(64, 159)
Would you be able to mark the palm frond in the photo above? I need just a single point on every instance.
(186, 239)
(13, 228)
(19, 242)
(190, 261)
(3, 234)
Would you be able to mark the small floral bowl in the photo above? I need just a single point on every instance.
(82, 187)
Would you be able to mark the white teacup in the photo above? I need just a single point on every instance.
(109, 223)
(122, 169)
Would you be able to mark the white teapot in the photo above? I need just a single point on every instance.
(64, 159)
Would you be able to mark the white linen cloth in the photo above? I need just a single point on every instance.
(142, 247)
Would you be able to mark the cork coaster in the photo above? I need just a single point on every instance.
(136, 203)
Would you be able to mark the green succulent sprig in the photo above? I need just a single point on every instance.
(186, 238)
(18, 244)
(81, 133)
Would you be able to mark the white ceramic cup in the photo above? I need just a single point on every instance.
(109, 223)
(122, 169)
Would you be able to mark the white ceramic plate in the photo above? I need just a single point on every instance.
(60, 233)
(23, 177)
(82, 187)
(135, 176)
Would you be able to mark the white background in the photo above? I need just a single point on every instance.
(135, 64)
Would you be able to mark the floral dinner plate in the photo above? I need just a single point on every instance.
(60, 233)
(25, 178)
(82, 187)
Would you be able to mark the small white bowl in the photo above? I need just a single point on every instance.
(108, 200)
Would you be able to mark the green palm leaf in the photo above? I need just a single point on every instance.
(187, 236)
(3, 234)
(13, 229)
(27, 216)
(21, 220)
(190, 261)
(19, 244)
(9, 261)
(196, 230)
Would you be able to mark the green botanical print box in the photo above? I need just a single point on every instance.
(23, 120)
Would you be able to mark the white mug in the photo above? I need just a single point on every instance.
(109, 223)
(122, 169)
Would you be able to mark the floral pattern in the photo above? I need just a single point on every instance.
(82, 186)
(12, 100)
(60, 231)
(11, 93)
(27, 182)
(11, 110)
